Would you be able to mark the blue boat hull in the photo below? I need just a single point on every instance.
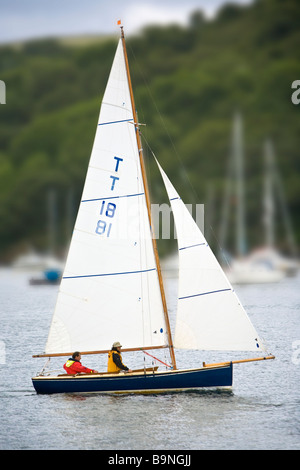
(155, 382)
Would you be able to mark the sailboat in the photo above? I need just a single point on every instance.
(112, 287)
(243, 268)
(269, 254)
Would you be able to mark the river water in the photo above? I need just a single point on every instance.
(261, 411)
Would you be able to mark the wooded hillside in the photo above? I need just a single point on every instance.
(188, 84)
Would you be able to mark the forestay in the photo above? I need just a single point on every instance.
(210, 315)
(110, 277)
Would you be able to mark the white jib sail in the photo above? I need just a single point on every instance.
(110, 278)
(210, 315)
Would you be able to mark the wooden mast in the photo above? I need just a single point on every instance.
(140, 149)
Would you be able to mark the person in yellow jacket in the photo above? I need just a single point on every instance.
(114, 363)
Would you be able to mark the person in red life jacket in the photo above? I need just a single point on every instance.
(73, 365)
(114, 363)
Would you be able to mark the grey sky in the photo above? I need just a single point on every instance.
(26, 19)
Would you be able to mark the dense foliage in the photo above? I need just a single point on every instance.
(188, 84)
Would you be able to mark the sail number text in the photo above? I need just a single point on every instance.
(108, 209)
(102, 226)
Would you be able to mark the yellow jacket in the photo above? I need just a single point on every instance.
(114, 363)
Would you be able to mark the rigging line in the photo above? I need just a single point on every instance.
(142, 252)
(220, 248)
(148, 204)
(164, 126)
(164, 363)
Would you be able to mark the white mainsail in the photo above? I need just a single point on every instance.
(209, 314)
(110, 273)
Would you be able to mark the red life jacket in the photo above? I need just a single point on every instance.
(73, 367)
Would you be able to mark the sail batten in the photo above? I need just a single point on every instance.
(110, 274)
(203, 293)
(112, 197)
(191, 246)
(114, 122)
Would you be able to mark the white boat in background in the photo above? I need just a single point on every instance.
(30, 261)
(269, 256)
(47, 264)
(275, 214)
(249, 270)
(33, 261)
(243, 267)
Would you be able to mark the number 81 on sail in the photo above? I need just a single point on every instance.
(107, 210)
